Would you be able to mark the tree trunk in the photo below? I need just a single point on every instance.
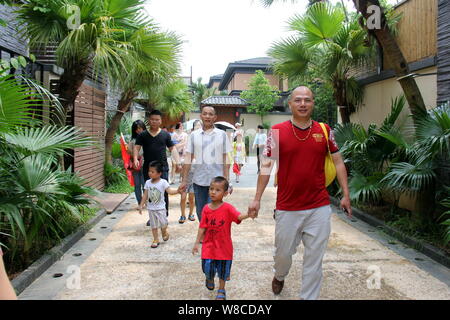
(122, 107)
(70, 82)
(387, 41)
(345, 117)
(341, 100)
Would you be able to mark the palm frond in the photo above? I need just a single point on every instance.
(291, 57)
(410, 178)
(16, 104)
(434, 130)
(175, 99)
(321, 23)
(366, 189)
(47, 140)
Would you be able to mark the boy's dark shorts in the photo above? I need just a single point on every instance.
(212, 267)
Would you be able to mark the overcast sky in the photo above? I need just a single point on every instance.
(217, 32)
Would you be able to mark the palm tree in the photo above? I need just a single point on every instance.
(327, 43)
(386, 40)
(201, 92)
(99, 40)
(386, 161)
(394, 54)
(174, 98)
(152, 59)
(35, 193)
(367, 154)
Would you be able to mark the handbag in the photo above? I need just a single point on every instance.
(330, 168)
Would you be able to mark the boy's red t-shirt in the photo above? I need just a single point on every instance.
(217, 242)
(301, 175)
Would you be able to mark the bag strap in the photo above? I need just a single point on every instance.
(326, 134)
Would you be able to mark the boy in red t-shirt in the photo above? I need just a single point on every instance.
(215, 230)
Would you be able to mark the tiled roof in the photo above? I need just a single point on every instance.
(260, 60)
(225, 101)
(217, 76)
(249, 65)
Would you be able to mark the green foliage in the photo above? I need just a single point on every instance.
(114, 174)
(247, 144)
(124, 126)
(119, 187)
(36, 195)
(446, 214)
(116, 151)
(261, 95)
(100, 35)
(174, 99)
(266, 125)
(383, 161)
(201, 92)
(327, 46)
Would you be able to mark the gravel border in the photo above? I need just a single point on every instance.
(27, 277)
(432, 252)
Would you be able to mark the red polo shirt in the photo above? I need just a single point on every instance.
(300, 155)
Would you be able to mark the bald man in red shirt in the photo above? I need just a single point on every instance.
(299, 148)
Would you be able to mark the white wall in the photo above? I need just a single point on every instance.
(377, 98)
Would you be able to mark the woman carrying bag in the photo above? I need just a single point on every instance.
(137, 127)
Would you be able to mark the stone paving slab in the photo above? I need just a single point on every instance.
(123, 266)
(110, 201)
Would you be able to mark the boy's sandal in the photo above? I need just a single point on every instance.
(182, 219)
(191, 217)
(221, 294)
(155, 244)
(209, 284)
(166, 237)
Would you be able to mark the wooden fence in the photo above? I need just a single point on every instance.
(417, 35)
(89, 115)
(444, 52)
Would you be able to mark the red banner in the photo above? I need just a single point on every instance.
(127, 161)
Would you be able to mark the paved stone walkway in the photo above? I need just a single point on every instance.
(119, 263)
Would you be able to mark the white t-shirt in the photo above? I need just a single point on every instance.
(156, 194)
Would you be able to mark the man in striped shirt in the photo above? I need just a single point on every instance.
(209, 146)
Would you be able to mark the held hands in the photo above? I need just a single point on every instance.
(140, 210)
(253, 209)
(182, 187)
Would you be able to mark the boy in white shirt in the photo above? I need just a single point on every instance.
(154, 192)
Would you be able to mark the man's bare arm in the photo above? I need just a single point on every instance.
(136, 150)
(341, 173)
(226, 166)
(263, 179)
(175, 155)
(186, 166)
